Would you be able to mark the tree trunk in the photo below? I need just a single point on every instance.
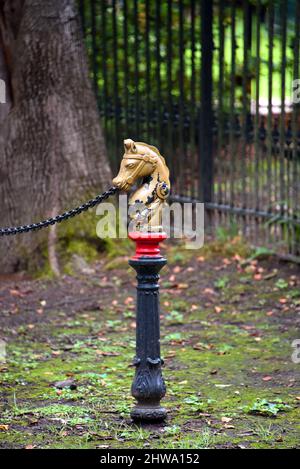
(52, 149)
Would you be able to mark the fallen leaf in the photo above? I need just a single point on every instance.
(223, 385)
(226, 261)
(218, 309)
(129, 300)
(183, 285)
(237, 257)
(4, 428)
(267, 378)
(209, 291)
(226, 419)
(16, 293)
(248, 327)
(107, 354)
(257, 277)
(202, 346)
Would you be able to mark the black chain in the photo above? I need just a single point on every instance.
(59, 218)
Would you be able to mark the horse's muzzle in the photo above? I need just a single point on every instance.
(121, 184)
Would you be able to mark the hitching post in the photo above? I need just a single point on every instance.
(145, 207)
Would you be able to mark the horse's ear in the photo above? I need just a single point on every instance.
(128, 144)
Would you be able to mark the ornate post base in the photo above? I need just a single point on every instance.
(148, 386)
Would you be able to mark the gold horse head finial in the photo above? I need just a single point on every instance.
(143, 161)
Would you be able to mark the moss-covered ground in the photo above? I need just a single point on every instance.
(228, 323)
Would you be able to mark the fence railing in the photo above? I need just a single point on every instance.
(210, 84)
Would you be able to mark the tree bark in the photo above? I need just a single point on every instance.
(52, 150)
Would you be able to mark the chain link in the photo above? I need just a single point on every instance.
(59, 218)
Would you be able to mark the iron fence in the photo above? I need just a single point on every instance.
(211, 84)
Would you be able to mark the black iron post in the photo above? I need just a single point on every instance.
(148, 386)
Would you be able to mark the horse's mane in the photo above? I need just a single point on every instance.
(153, 149)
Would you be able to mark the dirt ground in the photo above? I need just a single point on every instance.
(228, 323)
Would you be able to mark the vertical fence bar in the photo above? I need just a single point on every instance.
(232, 107)
(181, 156)
(245, 111)
(206, 121)
(126, 66)
(192, 107)
(158, 103)
(136, 70)
(104, 62)
(282, 165)
(257, 173)
(220, 169)
(115, 84)
(94, 47)
(272, 139)
(271, 181)
(295, 250)
(148, 69)
(82, 15)
(170, 85)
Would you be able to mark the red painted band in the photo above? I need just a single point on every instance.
(147, 244)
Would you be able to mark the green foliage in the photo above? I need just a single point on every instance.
(222, 282)
(265, 432)
(267, 408)
(294, 294)
(174, 317)
(224, 234)
(196, 404)
(173, 336)
(259, 253)
(281, 284)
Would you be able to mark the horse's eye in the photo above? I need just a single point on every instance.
(130, 165)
